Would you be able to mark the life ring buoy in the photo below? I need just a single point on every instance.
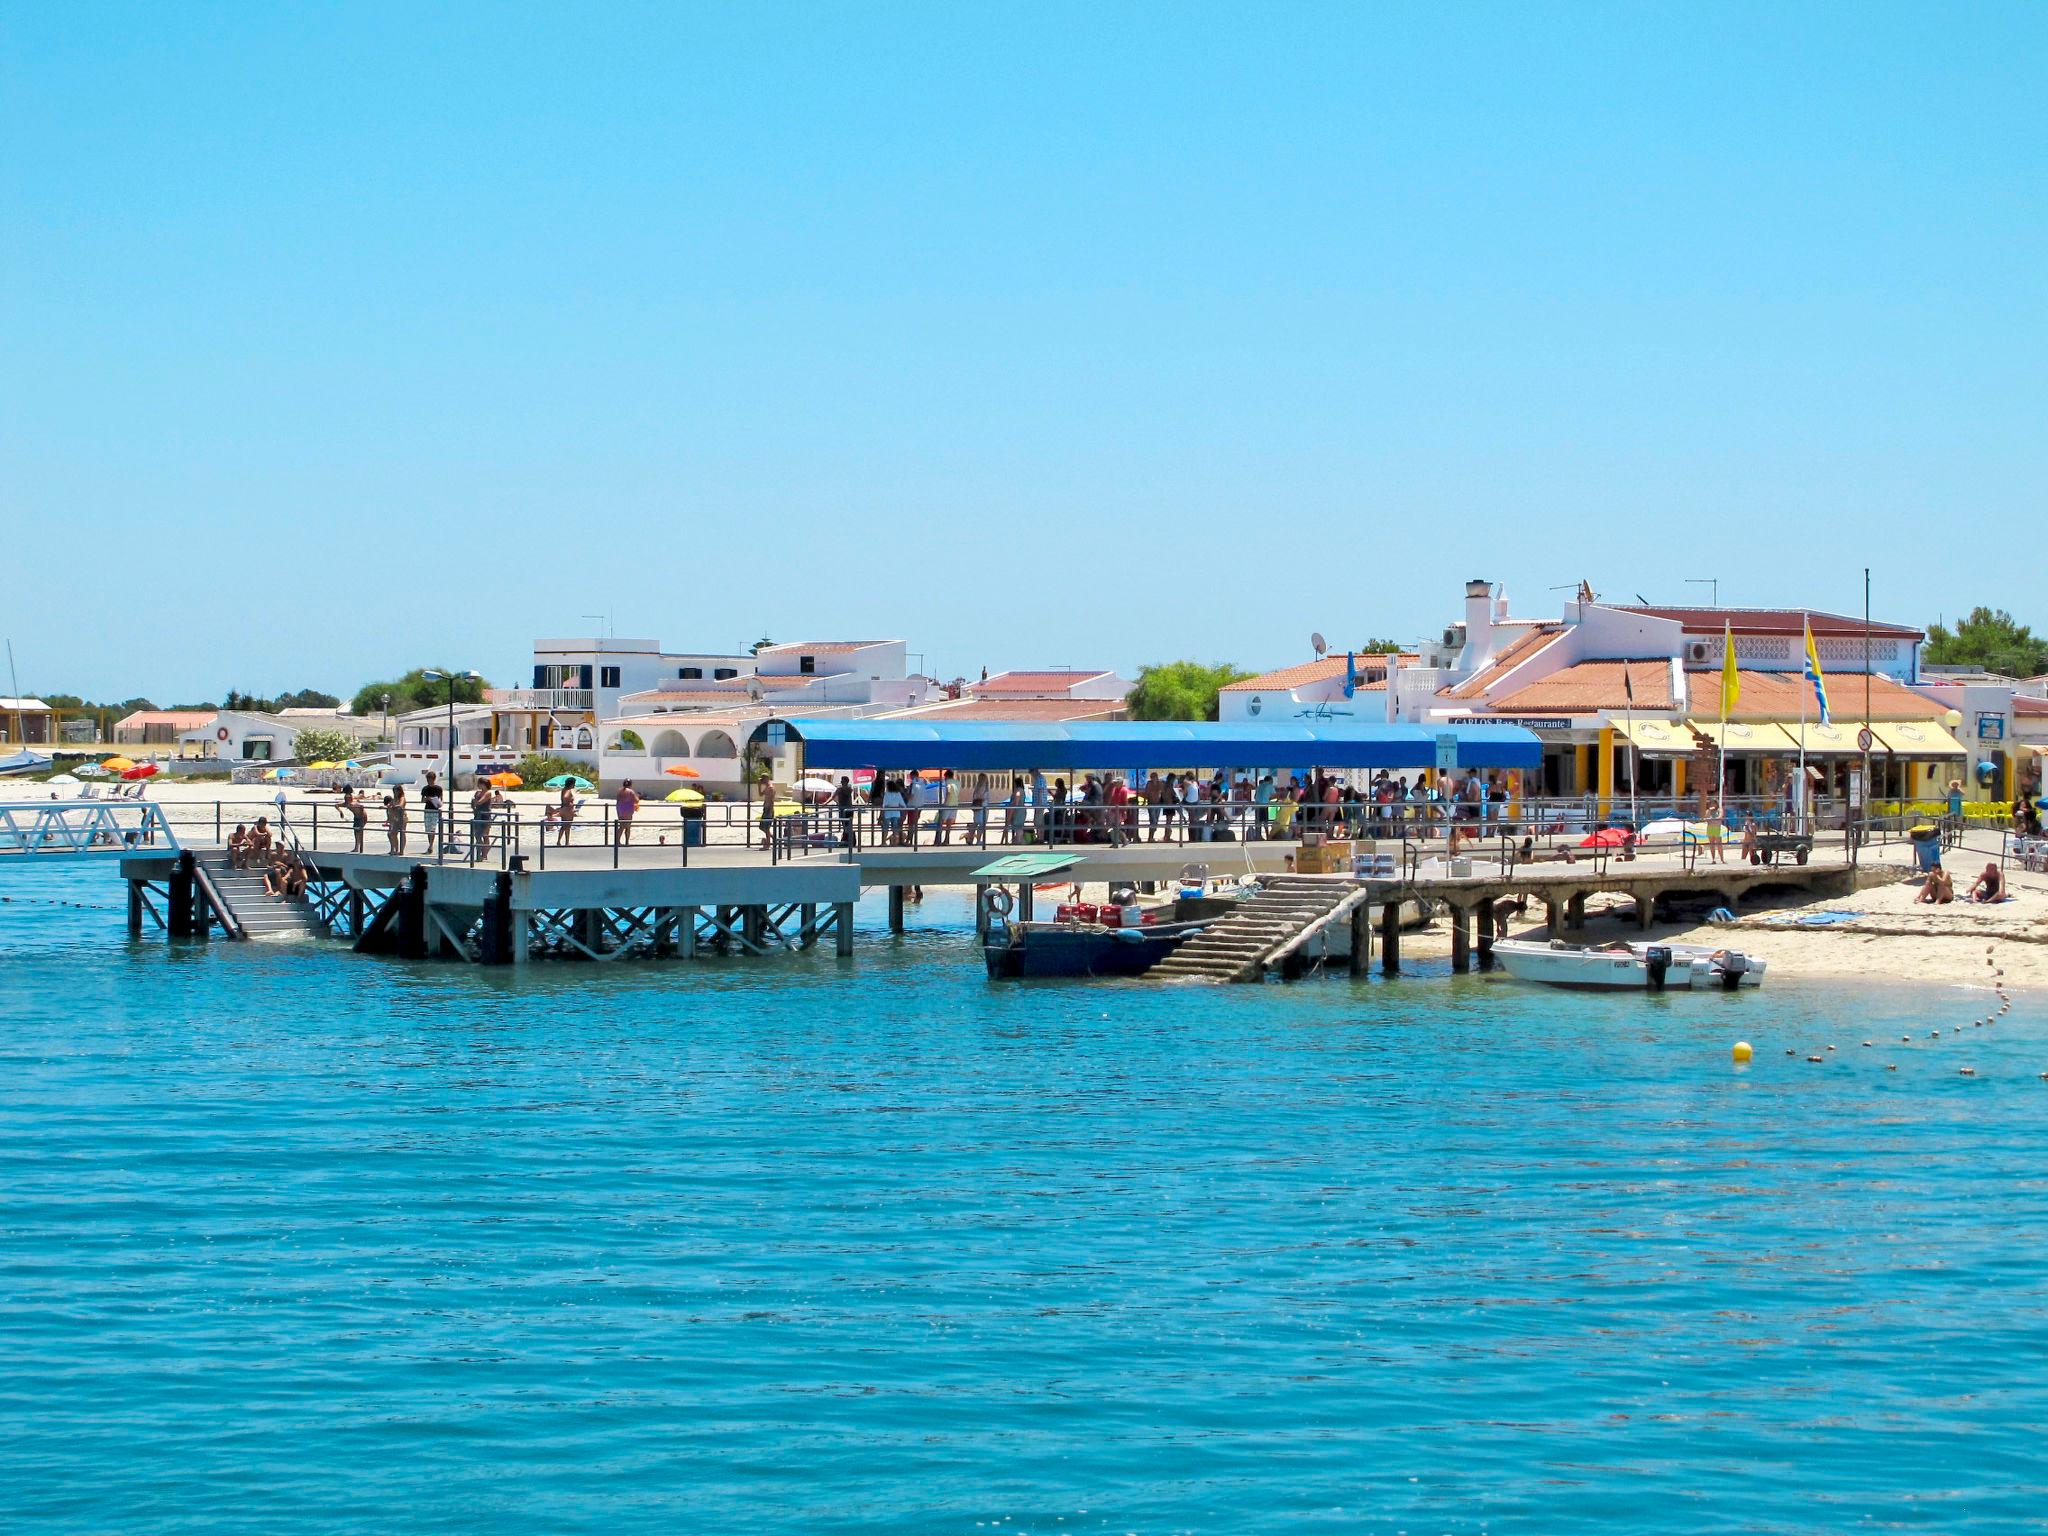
(998, 901)
(221, 734)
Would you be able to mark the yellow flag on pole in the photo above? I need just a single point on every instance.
(1731, 683)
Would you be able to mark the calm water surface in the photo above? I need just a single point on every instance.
(291, 1240)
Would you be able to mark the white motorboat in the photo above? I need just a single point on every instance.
(1645, 967)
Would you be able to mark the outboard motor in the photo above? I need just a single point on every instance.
(1732, 966)
(1657, 960)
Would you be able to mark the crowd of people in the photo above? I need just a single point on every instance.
(926, 809)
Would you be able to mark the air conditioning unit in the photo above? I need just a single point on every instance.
(1696, 651)
(1454, 637)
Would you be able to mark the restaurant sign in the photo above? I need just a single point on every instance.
(1526, 722)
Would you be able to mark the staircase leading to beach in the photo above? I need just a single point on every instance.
(1261, 930)
(252, 912)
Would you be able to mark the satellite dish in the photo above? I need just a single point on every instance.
(1318, 642)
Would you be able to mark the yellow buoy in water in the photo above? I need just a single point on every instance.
(1742, 1052)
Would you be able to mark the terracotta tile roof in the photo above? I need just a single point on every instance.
(695, 698)
(1587, 687)
(1328, 669)
(2022, 705)
(1016, 709)
(1769, 621)
(820, 647)
(177, 719)
(1519, 650)
(1048, 681)
(1778, 695)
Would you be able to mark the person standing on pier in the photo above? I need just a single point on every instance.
(949, 803)
(626, 804)
(842, 797)
(430, 810)
(565, 815)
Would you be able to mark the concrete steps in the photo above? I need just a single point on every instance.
(1239, 947)
(256, 912)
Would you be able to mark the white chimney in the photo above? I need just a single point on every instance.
(1393, 703)
(1478, 626)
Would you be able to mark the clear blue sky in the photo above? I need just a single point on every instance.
(342, 338)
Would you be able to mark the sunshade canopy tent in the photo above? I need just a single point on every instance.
(1094, 746)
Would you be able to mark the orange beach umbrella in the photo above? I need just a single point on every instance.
(679, 771)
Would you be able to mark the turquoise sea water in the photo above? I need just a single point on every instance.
(292, 1240)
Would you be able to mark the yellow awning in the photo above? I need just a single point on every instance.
(1748, 736)
(1916, 738)
(1822, 740)
(1666, 737)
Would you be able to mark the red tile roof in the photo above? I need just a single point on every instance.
(1048, 681)
(1779, 696)
(1017, 709)
(1328, 669)
(821, 647)
(2022, 705)
(1769, 621)
(1518, 650)
(1587, 687)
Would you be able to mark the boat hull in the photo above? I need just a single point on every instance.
(1689, 967)
(1082, 949)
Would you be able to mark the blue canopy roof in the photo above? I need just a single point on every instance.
(989, 746)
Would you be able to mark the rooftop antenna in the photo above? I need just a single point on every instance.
(1707, 581)
(604, 624)
(1319, 644)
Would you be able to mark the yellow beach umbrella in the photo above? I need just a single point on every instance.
(118, 764)
(684, 796)
(323, 763)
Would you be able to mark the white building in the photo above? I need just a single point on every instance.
(243, 736)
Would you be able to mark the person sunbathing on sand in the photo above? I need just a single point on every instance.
(1939, 889)
(1990, 885)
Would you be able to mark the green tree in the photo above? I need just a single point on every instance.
(536, 768)
(1989, 638)
(1180, 690)
(1379, 647)
(323, 746)
(416, 690)
(759, 646)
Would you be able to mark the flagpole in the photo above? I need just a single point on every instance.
(1635, 762)
(1721, 768)
(1806, 634)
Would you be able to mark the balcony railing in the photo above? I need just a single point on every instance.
(541, 698)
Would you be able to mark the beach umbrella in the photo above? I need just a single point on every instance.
(62, 778)
(1606, 837)
(117, 763)
(569, 781)
(505, 781)
(815, 787)
(680, 772)
(323, 763)
(91, 771)
(684, 796)
(141, 771)
(278, 773)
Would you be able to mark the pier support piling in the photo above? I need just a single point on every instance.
(1575, 911)
(842, 925)
(1487, 919)
(178, 913)
(1390, 938)
(807, 925)
(686, 933)
(1646, 911)
(1461, 939)
(1553, 918)
(895, 909)
(134, 909)
(1361, 938)
(1024, 902)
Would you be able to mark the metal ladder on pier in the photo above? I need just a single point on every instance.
(1263, 929)
(247, 909)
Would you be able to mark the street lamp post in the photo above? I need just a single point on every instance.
(451, 677)
(385, 699)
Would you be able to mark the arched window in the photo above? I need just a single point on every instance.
(586, 738)
(671, 744)
(625, 741)
(717, 744)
